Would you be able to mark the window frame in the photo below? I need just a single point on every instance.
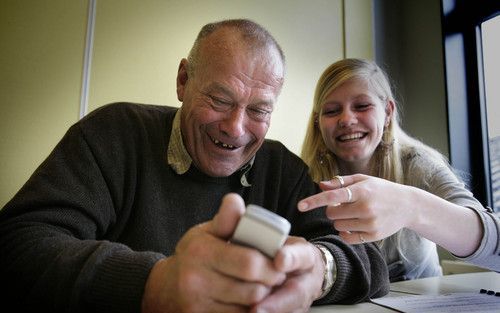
(465, 92)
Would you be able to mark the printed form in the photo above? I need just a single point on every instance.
(447, 303)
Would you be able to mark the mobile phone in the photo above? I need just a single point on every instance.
(261, 229)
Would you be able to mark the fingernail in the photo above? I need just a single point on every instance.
(286, 261)
(302, 206)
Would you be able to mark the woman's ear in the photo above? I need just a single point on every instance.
(389, 111)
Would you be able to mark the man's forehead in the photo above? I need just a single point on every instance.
(222, 37)
(228, 41)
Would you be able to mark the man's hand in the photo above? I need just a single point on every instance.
(304, 266)
(209, 274)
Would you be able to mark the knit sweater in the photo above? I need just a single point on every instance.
(410, 256)
(85, 230)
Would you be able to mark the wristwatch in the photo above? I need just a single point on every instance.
(330, 272)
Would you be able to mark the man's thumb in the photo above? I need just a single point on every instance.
(225, 221)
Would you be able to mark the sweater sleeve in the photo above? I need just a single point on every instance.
(361, 272)
(487, 254)
(52, 254)
(447, 185)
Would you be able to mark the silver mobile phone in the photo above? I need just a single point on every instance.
(261, 229)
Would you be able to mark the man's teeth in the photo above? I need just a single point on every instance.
(351, 136)
(225, 145)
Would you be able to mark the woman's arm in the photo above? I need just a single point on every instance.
(379, 208)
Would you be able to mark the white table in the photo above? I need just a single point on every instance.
(470, 282)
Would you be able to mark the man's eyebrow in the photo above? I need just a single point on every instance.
(263, 105)
(216, 87)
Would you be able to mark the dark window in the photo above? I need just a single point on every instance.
(490, 38)
(471, 41)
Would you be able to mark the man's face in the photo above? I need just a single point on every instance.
(227, 102)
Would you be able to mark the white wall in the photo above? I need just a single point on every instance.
(41, 56)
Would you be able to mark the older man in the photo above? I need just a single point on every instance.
(133, 209)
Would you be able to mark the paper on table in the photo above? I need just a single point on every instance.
(453, 302)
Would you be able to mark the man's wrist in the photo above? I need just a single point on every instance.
(330, 270)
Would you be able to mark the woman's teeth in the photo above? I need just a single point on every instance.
(351, 136)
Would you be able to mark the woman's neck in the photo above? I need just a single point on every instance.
(350, 168)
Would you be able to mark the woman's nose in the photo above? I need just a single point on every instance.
(347, 118)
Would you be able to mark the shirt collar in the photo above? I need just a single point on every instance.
(180, 160)
(178, 157)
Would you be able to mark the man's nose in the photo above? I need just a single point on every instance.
(234, 123)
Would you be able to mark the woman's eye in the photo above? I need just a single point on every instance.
(362, 106)
(331, 112)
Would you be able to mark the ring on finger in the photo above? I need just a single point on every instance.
(340, 179)
(349, 194)
(361, 238)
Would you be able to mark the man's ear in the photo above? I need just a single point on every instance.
(182, 77)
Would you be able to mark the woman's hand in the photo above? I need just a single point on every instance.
(364, 208)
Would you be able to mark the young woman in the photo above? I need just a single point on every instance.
(387, 186)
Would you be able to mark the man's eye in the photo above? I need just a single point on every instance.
(259, 114)
(220, 104)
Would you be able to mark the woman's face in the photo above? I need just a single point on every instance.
(352, 121)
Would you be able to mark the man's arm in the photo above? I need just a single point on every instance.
(49, 253)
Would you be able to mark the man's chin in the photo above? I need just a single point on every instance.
(222, 170)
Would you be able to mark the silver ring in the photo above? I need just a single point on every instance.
(361, 238)
(340, 179)
(349, 194)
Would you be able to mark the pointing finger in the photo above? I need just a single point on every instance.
(328, 198)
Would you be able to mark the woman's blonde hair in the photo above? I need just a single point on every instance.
(386, 160)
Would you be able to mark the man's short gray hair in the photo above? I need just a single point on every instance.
(254, 34)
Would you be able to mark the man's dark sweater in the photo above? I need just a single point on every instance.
(84, 232)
